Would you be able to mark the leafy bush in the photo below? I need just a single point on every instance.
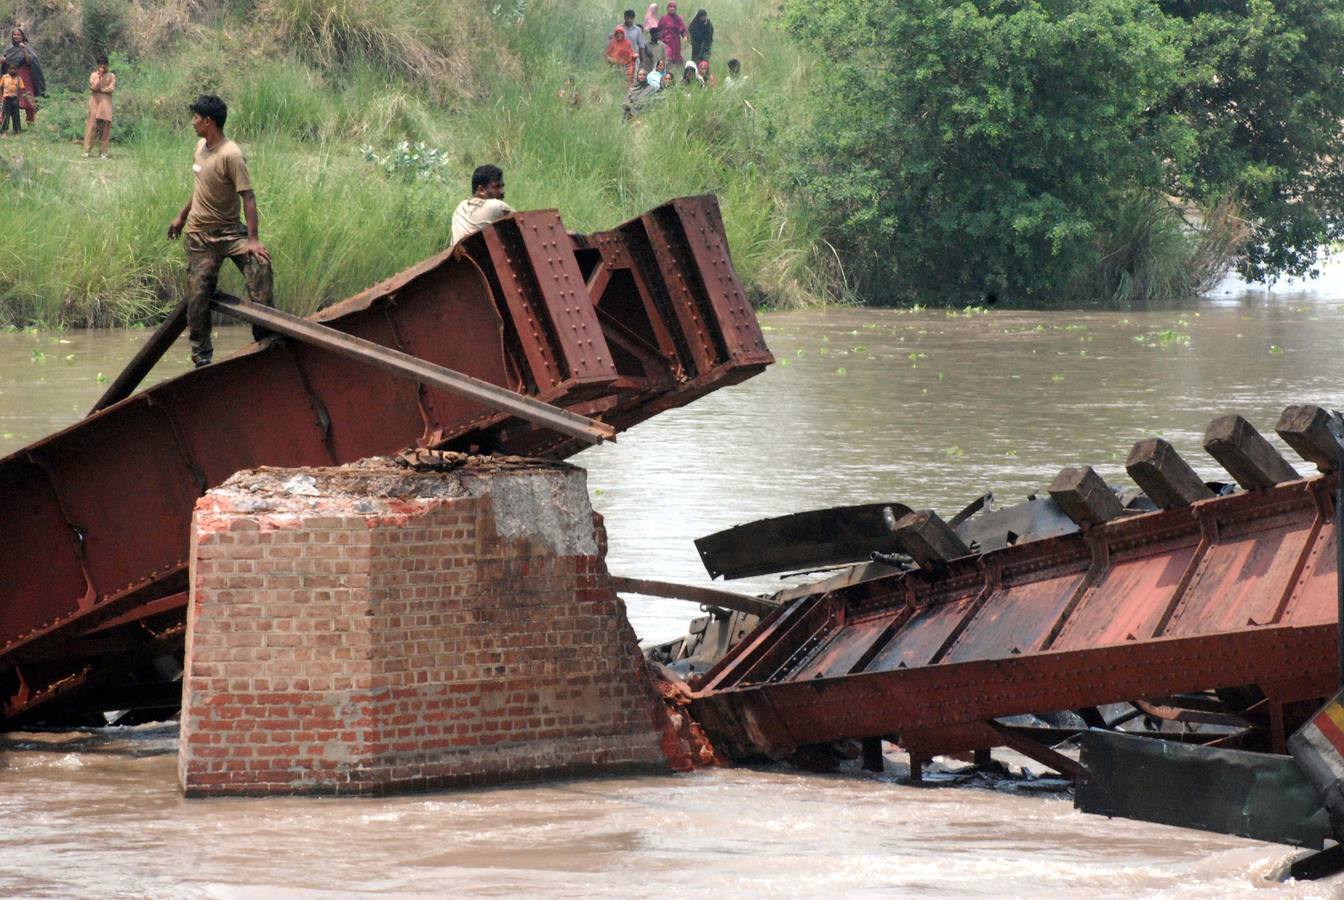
(1027, 148)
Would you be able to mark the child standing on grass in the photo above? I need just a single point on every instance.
(10, 87)
(101, 85)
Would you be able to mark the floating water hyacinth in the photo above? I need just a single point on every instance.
(1163, 339)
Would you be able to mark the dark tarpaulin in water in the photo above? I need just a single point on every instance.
(1261, 796)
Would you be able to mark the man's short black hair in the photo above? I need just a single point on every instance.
(208, 106)
(629, 13)
(654, 32)
(484, 175)
(101, 60)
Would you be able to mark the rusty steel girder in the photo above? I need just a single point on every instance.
(616, 326)
(1229, 592)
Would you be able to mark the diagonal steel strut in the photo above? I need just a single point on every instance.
(413, 368)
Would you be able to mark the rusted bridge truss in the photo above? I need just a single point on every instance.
(1233, 593)
(614, 326)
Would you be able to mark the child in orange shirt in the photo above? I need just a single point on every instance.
(10, 86)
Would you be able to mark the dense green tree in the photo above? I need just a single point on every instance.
(1027, 148)
(1263, 93)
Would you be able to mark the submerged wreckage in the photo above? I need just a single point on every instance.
(1180, 603)
(1202, 614)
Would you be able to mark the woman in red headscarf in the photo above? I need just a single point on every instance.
(621, 53)
(671, 29)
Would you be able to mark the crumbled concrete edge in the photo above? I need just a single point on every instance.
(685, 743)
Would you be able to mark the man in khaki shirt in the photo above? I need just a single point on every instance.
(484, 206)
(213, 227)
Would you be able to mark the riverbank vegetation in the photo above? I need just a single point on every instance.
(1040, 151)
(924, 152)
(362, 121)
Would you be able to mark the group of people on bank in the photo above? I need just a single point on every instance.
(22, 83)
(651, 56)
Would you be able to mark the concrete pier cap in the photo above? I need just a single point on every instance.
(425, 621)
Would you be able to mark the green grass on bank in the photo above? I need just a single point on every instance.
(309, 85)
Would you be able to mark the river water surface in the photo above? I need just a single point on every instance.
(927, 408)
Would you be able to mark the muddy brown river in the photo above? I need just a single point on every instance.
(928, 408)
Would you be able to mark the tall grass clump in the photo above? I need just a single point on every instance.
(432, 43)
(1157, 251)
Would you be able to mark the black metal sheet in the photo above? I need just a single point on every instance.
(1255, 795)
(805, 540)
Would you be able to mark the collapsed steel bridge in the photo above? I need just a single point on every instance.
(605, 329)
(1206, 608)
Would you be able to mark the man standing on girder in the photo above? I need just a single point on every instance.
(214, 230)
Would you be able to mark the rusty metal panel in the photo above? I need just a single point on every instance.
(1016, 619)
(34, 528)
(662, 243)
(1130, 600)
(1243, 579)
(923, 636)
(848, 648)
(1314, 600)
(107, 483)
(220, 437)
(680, 251)
(703, 233)
(514, 287)
(570, 312)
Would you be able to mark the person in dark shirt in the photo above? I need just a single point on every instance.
(702, 36)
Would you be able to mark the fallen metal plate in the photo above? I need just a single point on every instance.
(805, 540)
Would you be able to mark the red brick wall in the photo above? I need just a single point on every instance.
(345, 642)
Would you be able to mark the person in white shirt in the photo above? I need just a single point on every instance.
(484, 206)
